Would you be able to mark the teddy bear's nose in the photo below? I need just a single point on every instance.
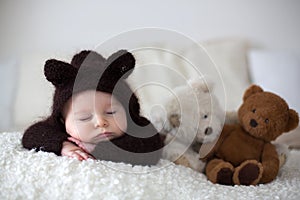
(253, 123)
(208, 131)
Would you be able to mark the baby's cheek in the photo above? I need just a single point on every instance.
(123, 125)
(121, 122)
(72, 129)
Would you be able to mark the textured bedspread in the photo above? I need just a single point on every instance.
(30, 175)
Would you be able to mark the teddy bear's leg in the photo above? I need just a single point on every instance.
(191, 159)
(194, 160)
(219, 171)
(248, 173)
(182, 160)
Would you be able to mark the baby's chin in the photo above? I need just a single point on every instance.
(106, 138)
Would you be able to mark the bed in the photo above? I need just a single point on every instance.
(38, 175)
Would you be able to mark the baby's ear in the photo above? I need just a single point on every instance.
(58, 72)
(119, 65)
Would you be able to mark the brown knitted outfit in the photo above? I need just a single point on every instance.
(141, 144)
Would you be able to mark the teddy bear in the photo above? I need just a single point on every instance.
(244, 154)
(192, 116)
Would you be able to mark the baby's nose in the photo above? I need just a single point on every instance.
(101, 122)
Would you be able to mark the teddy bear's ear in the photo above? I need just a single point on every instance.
(174, 120)
(205, 85)
(119, 65)
(58, 72)
(252, 90)
(293, 120)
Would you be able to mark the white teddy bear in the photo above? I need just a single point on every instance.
(192, 116)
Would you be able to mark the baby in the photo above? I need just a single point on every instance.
(95, 114)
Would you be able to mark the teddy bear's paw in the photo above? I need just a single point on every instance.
(219, 171)
(182, 160)
(224, 176)
(248, 173)
(283, 153)
(195, 163)
(282, 159)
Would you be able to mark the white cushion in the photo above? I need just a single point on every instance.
(230, 57)
(35, 93)
(158, 71)
(8, 77)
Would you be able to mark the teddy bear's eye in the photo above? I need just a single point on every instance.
(254, 110)
(267, 121)
(205, 116)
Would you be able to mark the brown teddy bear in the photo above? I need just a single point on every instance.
(244, 154)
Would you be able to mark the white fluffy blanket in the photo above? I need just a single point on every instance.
(30, 175)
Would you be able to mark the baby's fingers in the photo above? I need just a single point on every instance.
(77, 156)
(74, 154)
(82, 155)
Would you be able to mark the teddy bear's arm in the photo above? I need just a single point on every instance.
(205, 154)
(270, 163)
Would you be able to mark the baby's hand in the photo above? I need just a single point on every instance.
(88, 147)
(71, 150)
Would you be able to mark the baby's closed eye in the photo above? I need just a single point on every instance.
(85, 117)
(111, 112)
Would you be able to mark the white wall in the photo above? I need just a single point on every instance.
(63, 25)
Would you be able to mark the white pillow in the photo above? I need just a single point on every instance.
(35, 93)
(8, 77)
(157, 72)
(170, 70)
(230, 57)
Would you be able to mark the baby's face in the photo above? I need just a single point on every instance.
(93, 117)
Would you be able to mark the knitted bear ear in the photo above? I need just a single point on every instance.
(58, 72)
(119, 65)
(87, 58)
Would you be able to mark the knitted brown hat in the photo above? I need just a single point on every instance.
(90, 71)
